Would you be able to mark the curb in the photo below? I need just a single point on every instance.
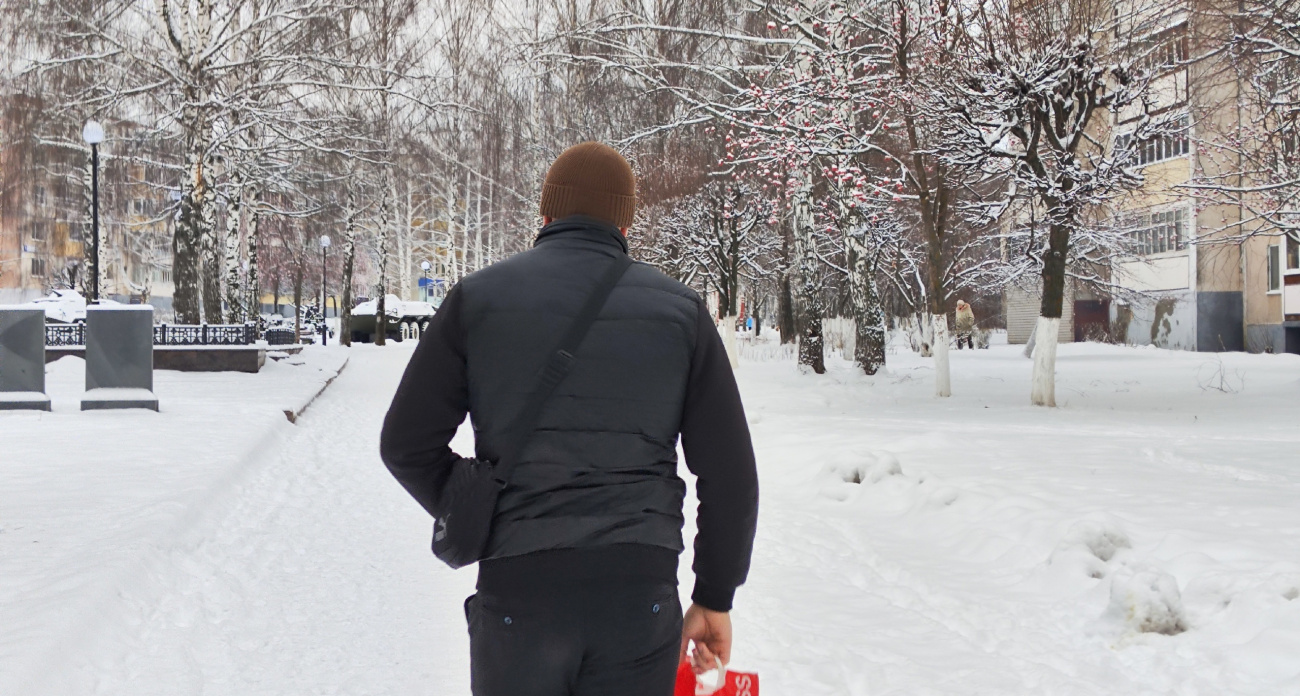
(293, 415)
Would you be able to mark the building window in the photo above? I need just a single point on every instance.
(1157, 149)
(1164, 51)
(38, 267)
(1157, 233)
(1292, 253)
(38, 231)
(1274, 268)
(139, 206)
(38, 196)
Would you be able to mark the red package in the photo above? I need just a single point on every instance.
(737, 684)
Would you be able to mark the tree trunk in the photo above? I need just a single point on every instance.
(185, 263)
(211, 260)
(868, 315)
(809, 297)
(942, 377)
(187, 242)
(1044, 380)
(729, 340)
(785, 311)
(87, 234)
(784, 301)
(381, 309)
(1043, 392)
(253, 305)
(349, 263)
(297, 302)
(235, 310)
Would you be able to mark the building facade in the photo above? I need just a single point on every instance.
(1200, 276)
(45, 200)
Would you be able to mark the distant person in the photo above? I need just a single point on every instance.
(965, 325)
(577, 592)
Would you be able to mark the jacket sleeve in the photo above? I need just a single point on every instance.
(429, 406)
(715, 440)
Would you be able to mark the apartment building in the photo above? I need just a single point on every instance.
(1198, 278)
(44, 218)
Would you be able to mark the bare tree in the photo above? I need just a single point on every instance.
(1030, 102)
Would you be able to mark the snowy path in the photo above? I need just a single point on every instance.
(313, 577)
(991, 548)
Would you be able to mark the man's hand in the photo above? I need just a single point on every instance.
(711, 631)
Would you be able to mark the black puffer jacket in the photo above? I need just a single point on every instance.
(601, 470)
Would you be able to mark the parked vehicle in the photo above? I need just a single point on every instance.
(405, 319)
(64, 306)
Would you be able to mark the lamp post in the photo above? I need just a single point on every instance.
(93, 134)
(425, 266)
(324, 327)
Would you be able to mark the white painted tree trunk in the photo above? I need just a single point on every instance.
(1044, 389)
(942, 376)
(729, 341)
(920, 329)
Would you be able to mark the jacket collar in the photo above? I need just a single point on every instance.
(584, 228)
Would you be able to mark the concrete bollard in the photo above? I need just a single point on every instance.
(119, 357)
(22, 360)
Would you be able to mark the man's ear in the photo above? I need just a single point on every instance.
(546, 220)
(623, 230)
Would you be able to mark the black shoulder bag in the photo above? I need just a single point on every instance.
(461, 532)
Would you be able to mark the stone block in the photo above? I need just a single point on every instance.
(119, 357)
(22, 360)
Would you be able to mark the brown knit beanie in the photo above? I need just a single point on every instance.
(590, 179)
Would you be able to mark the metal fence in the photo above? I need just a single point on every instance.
(280, 336)
(65, 334)
(165, 335)
(204, 335)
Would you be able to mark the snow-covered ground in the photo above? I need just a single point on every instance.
(997, 548)
(1143, 538)
(88, 500)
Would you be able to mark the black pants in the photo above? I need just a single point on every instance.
(585, 639)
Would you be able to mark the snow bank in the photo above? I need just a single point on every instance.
(394, 307)
(1147, 601)
(1089, 548)
(1138, 539)
(65, 306)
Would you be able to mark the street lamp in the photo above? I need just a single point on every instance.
(425, 266)
(93, 134)
(324, 328)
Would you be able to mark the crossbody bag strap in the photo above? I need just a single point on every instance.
(557, 367)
